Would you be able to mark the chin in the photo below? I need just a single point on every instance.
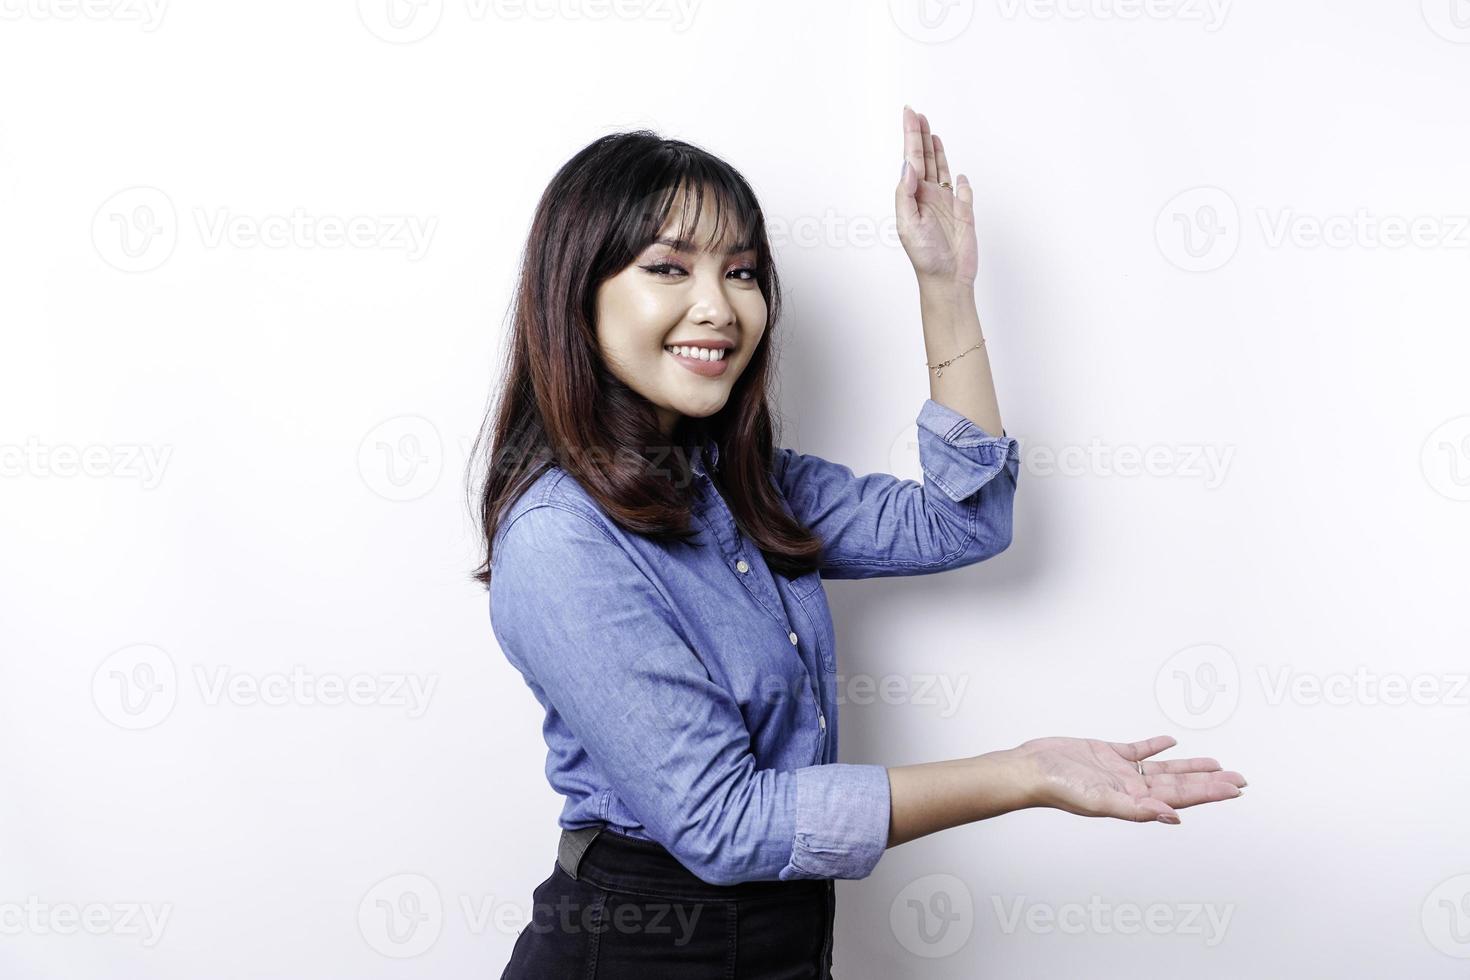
(699, 411)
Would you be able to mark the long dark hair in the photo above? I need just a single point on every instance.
(558, 404)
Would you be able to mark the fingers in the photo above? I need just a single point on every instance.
(1142, 810)
(905, 203)
(1133, 751)
(965, 194)
(913, 141)
(927, 142)
(941, 161)
(1212, 776)
(1202, 764)
(1172, 783)
(1201, 770)
(1193, 793)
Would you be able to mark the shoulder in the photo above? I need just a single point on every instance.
(554, 510)
(780, 460)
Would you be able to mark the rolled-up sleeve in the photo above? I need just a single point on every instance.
(596, 640)
(879, 524)
(842, 813)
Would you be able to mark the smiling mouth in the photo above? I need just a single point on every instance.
(703, 361)
(697, 353)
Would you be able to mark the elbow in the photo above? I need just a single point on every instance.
(714, 873)
(998, 535)
(705, 850)
(994, 522)
(730, 843)
(991, 534)
(708, 866)
(983, 528)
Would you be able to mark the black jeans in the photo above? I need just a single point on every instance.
(618, 907)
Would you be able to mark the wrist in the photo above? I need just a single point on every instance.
(945, 287)
(1009, 783)
(1018, 775)
(949, 314)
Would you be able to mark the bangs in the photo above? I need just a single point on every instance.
(737, 226)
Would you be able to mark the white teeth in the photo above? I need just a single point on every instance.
(699, 353)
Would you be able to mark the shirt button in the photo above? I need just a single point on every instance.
(742, 566)
(822, 720)
(792, 638)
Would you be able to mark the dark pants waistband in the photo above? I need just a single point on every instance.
(618, 862)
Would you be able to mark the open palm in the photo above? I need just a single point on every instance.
(936, 223)
(1093, 778)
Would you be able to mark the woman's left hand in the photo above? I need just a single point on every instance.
(936, 224)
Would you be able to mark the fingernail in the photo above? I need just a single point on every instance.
(904, 170)
(1166, 818)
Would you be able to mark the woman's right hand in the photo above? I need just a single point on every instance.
(1093, 778)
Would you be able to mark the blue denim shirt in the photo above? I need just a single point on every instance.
(690, 691)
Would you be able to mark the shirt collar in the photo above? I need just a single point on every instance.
(706, 456)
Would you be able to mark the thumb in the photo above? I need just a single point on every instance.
(1144, 810)
(905, 204)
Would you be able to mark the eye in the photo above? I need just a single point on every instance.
(669, 269)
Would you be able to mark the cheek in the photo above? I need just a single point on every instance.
(632, 337)
(632, 316)
(749, 341)
(753, 316)
(646, 300)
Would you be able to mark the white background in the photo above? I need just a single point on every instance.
(1148, 183)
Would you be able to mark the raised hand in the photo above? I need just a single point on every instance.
(936, 223)
(1093, 778)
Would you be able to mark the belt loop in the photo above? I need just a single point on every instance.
(573, 845)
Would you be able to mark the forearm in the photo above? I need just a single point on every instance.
(939, 795)
(952, 326)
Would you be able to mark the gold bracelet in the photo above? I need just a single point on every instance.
(939, 368)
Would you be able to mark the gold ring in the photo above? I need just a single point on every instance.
(945, 183)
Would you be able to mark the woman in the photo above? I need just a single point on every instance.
(655, 571)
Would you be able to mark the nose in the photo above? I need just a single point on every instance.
(709, 303)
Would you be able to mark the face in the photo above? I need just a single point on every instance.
(705, 303)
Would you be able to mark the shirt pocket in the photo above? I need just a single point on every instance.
(803, 586)
(813, 601)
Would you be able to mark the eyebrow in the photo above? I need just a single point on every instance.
(680, 245)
